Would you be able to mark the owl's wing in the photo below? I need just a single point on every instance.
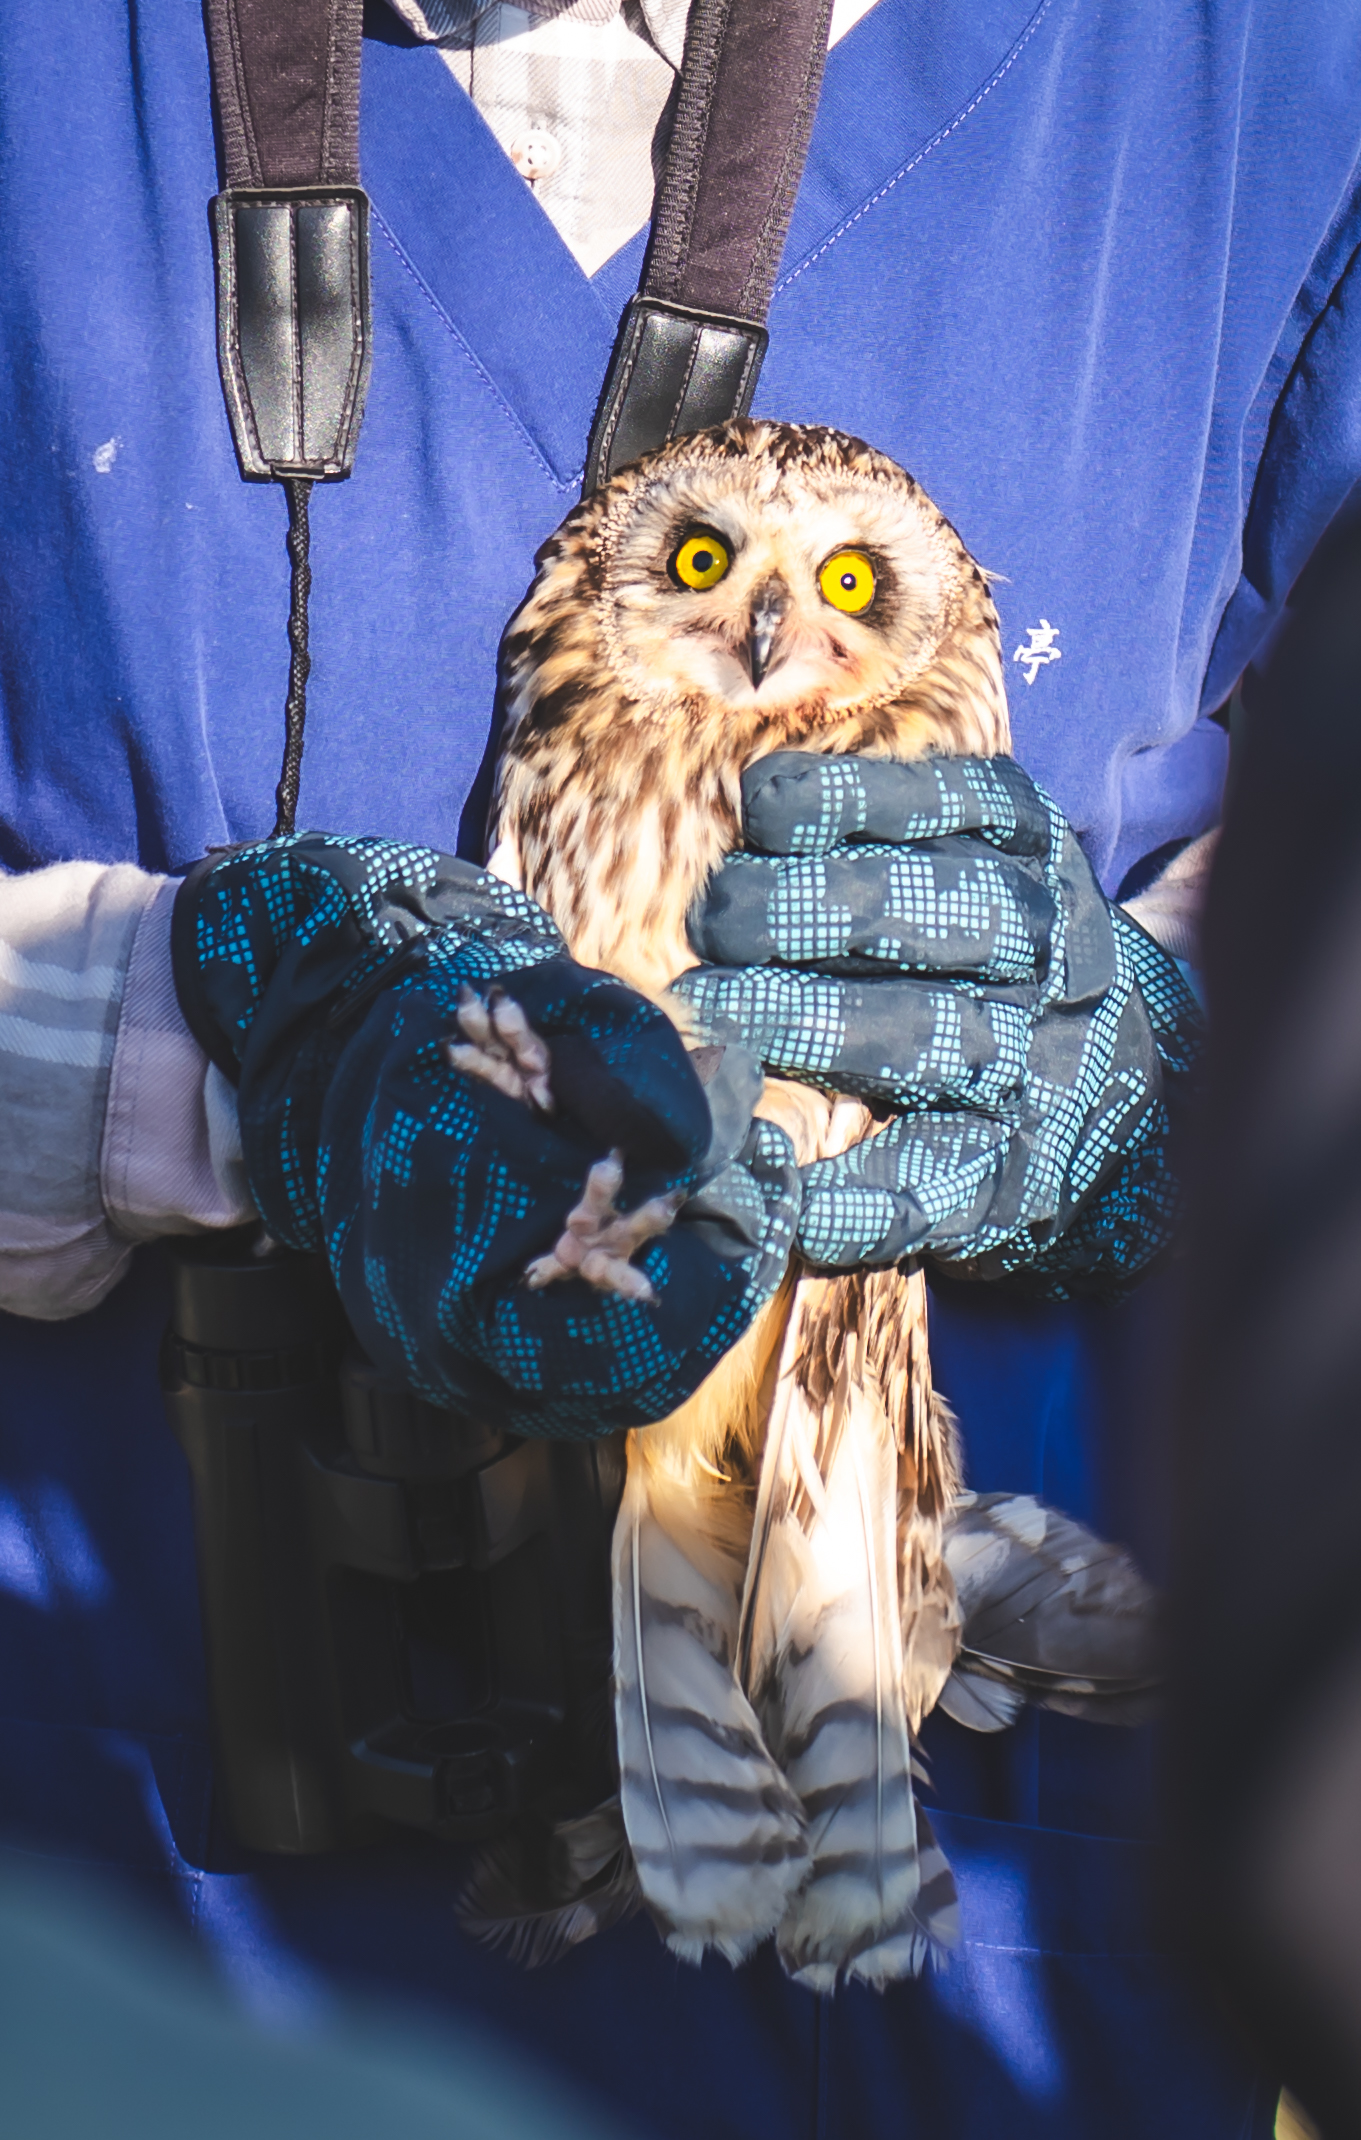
(1052, 1615)
(541, 1890)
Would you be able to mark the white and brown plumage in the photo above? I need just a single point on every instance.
(784, 1615)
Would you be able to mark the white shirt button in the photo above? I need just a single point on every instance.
(535, 155)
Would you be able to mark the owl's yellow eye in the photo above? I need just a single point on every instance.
(701, 561)
(847, 581)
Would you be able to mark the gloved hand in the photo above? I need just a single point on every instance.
(324, 977)
(931, 938)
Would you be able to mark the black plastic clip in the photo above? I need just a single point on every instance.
(294, 333)
(674, 370)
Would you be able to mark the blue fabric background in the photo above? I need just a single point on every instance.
(1087, 269)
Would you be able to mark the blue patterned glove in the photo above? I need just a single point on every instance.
(931, 938)
(323, 976)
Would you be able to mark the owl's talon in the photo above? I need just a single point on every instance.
(501, 1047)
(529, 1053)
(614, 1274)
(473, 1017)
(596, 1208)
(599, 1242)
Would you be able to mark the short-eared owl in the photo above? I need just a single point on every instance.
(783, 1613)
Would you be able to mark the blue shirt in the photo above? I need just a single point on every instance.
(1086, 268)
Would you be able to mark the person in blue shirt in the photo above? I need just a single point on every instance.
(1086, 270)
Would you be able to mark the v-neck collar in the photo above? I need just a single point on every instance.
(911, 74)
(469, 232)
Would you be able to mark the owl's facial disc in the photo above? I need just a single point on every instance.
(752, 587)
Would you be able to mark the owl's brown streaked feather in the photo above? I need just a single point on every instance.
(881, 1316)
(630, 717)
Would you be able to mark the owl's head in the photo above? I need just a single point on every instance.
(755, 568)
(754, 588)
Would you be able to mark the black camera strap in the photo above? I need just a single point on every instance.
(294, 328)
(691, 342)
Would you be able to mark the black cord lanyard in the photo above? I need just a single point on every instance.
(294, 322)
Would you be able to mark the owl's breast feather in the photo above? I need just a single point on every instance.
(504, 862)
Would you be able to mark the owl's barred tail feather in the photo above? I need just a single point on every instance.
(821, 1655)
(718, 1838)
(932, 1926)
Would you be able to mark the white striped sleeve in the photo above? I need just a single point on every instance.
(66, 935)
(112, 1128)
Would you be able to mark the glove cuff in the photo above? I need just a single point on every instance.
(325, 915)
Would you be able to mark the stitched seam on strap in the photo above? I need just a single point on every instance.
(236, 365)
(243, 117)
(626, 371)
(760, 283)
(970, 108)
(696, 331)
(330, 92)
(753, 350)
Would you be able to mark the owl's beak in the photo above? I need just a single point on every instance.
(769, 606)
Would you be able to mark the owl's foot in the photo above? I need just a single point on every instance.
(501, 1047)
(600, 1241)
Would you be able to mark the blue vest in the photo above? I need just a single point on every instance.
(1085, 268)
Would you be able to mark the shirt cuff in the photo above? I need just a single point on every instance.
(66, 935)
(171, 1155)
